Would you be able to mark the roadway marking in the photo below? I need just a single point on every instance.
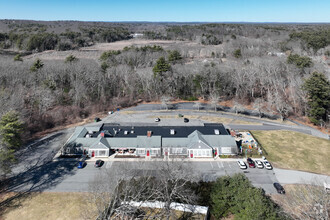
(229, 164)
(218, 165)
(211, 165)
(109, 164)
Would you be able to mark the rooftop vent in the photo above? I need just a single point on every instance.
(216, 131)
(125, 132)
(172, 132)
(149, 133)
(132, 131)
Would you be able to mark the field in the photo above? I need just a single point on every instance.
(51, 206)
(292, 150)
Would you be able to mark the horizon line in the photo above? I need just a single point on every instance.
(231, 22)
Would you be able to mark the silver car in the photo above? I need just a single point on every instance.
(268, 166)
(242, 164)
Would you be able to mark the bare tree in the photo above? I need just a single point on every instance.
(114, 191)
(307, 202)
(214, 98)
(258, 105)
(166, 101)
(197, 105)
(238, 107)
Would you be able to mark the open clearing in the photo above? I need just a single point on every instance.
(51, 206)
(292, 150)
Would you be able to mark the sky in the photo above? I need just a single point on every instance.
(169, 10)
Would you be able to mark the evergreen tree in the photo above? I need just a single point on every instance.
(10, 129)
(238, 53)
(318, 91)
(70, 59)
(174, 56)
(161, 67)
(38, 64)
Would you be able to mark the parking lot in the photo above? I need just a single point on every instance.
(80, 179)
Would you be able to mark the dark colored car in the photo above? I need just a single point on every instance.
(81, 164)
(97, 119)
(99, 163)
(186, 120)
(251, 163)
(279, 188)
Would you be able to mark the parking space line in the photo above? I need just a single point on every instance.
(109, 164)
(211, 165)
(218, 165)
(229, 164)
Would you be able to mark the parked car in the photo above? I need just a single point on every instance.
(157, 119)
(259, 164)
(268, 166)
(81, 164)
(279, 188)
(180, 115)
(251, 163)
(97, 119)
(241, 164)
(186, 120)
(99, 163)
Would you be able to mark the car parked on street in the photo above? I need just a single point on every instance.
(157, 119)
(267, 165)
(81, 164)
(251, 163)
(259, 164)
(279, 188)
(241, 164)
(99, 163)
(186, 120)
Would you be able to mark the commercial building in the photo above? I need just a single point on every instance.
(103, 140)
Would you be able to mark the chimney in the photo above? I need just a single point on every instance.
(149, 133)
(172, 131)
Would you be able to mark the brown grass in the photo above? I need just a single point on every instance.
(51, 206)
(292, 150)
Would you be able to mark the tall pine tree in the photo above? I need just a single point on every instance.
(318, 91)
(11, 128)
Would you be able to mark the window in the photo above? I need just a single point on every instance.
(141, 151)
(177, 150)
(102, 153)
(154, 151)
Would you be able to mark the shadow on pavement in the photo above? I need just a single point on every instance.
(34, 179)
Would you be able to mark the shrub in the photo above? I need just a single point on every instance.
(238, 53)
(299, 61)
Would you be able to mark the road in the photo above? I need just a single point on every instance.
(225, 113)
(63, 176)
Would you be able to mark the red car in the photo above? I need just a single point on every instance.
(251, 163)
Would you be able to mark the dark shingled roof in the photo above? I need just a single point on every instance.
(164, 131)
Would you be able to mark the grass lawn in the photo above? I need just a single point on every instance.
(51, 206)
(293, 150)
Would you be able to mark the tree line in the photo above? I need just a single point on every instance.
(41, 40)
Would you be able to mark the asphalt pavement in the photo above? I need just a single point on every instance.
(72, 179)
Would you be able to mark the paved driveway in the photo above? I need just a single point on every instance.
(79, 179)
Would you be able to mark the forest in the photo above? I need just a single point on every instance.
(282, 69)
